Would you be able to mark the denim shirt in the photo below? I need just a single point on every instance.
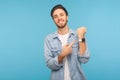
(53, 47)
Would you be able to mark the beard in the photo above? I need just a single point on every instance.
(62, 25)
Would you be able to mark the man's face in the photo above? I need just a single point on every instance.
(60, 18)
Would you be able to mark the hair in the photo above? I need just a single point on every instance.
(58, 6)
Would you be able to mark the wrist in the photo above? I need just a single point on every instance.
(81, 40)
(63, 54)
(60, 58)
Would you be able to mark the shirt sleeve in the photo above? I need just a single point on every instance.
(84, 58)
(51, 61)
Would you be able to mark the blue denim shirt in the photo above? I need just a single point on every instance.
(53, 47)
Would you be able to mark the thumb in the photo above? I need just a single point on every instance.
(70, 45)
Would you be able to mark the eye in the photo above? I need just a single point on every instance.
(55, 16)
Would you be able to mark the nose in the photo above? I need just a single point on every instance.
(59, 19)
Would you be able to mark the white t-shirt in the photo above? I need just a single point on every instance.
(64, 41)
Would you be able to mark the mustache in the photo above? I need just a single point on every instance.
(63, 25)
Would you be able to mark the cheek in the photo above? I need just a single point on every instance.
(55, 20)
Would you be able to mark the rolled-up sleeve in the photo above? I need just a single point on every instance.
(51, 61)
(84, 58)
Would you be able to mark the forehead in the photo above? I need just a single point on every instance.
(58, 11)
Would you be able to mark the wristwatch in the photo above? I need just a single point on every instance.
(82, 40)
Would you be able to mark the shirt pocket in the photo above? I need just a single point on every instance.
(55, 51)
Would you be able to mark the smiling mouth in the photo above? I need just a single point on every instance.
(60, 22)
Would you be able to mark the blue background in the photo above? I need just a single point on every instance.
(25, 23)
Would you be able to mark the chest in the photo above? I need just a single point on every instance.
(57, 44)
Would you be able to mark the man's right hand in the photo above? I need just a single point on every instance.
(67, 49)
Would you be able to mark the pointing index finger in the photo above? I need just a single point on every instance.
(70, 45)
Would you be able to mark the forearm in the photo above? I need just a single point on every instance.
(81, 36)
(83, 55)
(67, 49)
(82, 48)
(83, 52)
(60, 58)
(53, 63)
(84, 58)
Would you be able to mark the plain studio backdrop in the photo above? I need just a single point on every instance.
(25, 23)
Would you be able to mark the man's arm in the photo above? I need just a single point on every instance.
(51, 61)
(84, 53)
(82, 45)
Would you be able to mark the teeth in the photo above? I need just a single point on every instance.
(60, 22)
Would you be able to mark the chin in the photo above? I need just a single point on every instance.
(60, 26)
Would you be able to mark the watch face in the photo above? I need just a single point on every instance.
(80, 40)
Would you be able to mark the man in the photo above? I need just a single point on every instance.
(65, 49)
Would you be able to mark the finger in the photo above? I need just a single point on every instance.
(70, 45)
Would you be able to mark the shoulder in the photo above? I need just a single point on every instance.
(50, 36)
(73, 32)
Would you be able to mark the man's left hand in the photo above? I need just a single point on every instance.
(81, 32)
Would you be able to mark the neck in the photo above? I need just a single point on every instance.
(63, 31)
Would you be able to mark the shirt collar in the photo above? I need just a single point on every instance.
(55, 35)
